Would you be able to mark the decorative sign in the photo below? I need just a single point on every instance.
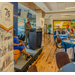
(62, 24)
(42, 27)
(6, 15)
(41, 23)
(6, 37)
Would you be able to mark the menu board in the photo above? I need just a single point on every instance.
(6, 37)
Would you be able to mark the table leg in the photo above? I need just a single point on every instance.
(74, 57)
(65, 49)
(74, 54)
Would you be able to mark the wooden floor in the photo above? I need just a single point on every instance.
(46, 61)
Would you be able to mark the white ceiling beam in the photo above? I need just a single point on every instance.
(56, 12)
(47, 6)
(42, 6)
(61, 13)
(73, 10)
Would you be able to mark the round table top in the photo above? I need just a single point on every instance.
(68, 43)
(63, 35)
(70, 67)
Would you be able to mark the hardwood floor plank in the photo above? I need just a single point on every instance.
(46, 61)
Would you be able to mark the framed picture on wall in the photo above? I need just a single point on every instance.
(41, 23)
(61, 24)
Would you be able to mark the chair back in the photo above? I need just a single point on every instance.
(62, 59)
(18, 36)
(33, 68)
(23, 38)
(59, 39)
(56, 45)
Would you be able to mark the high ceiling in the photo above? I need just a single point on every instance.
(54, 6)
(52, 10)
(58, 10)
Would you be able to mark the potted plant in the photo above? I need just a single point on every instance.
(49, 28)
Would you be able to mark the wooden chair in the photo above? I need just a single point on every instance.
(58, 43)
(33, 68)
(23, 38)
(59, 39)
(17, 54)
(18, 36)
(62, 59)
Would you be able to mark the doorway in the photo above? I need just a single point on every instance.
(45, 28)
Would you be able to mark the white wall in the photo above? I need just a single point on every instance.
(23, 15)
(38, 16)
(52, 25)
(49, 21)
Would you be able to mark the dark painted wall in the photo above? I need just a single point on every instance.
(15, 17)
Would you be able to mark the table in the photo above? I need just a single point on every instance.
(63, 36)
(67, 44)
(72, 36)
(70, 67)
